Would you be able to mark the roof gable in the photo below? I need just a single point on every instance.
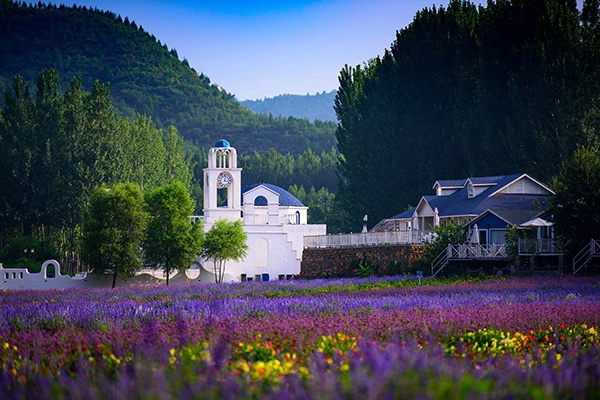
(260, 195)
(286, 199)
(449, 184)
(523, 184)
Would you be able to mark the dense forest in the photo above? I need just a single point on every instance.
(466, 90)
(145, 77)
(311, 107)
(57, 147)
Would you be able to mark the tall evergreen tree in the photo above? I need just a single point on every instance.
(56, 148)
(463, 91)
(575, 205)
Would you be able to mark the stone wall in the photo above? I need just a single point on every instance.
(353, 261)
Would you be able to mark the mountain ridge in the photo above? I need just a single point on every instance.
(312, 107)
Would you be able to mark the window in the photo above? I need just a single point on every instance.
(497, 236)
(483, 237)
(261, 201)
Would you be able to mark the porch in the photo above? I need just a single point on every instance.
(532, 254)
(464, 252)
(532, 247)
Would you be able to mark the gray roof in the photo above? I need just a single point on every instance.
(488, 180)
(286, 199)
(459, 203)
(453, 183)
(517, 217)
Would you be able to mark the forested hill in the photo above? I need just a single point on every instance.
(145, 77)
(311, 107)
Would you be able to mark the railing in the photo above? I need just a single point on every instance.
(466, 251)
(440, 261)
(366, 239)
(262, 219)
(585, 255)
(539, 246)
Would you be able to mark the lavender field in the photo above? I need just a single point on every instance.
(379, 338)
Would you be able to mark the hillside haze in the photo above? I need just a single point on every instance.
(145, 77)
(311, 107)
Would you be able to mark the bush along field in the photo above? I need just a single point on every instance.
(372, 338)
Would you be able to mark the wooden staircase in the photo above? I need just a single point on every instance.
(441, 261)
(586, 255)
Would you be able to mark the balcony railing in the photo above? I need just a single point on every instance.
(539, 246)
(263, 219)
(367, 239)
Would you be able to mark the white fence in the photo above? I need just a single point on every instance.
(463, 251)
(367, 239)
(539, 246)
(289, 219)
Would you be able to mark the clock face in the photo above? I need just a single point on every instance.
(224, 180)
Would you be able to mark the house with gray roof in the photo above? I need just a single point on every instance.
(493, 203)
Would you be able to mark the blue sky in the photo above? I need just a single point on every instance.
(264, 48)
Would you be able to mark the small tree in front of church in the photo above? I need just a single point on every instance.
(226, 240)
(112, 230)
(172, 242)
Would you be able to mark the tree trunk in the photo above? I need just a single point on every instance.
(114, 280)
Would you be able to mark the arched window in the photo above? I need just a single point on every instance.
(297, 217)
(51, 271)
(261, 201)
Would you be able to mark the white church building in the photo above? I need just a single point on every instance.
(274, 220)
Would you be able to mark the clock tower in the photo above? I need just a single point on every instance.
(222, 184)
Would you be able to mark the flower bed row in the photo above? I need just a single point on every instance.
(521, 337)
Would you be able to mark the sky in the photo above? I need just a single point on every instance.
(264, 48)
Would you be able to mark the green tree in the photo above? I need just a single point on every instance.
(176, 166)
(112, 230)
(172, 240)
(145, 154)
(445, 234)
(17, 130)
(226, 240)
(575, 205)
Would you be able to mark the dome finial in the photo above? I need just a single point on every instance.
(222, 143)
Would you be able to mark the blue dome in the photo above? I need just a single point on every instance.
(285, 197)
(222, 143)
